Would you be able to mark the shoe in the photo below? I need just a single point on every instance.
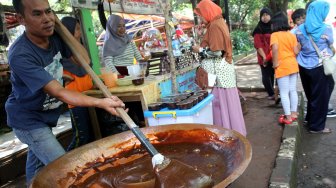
(324, 131)
(282, 119)
(271, 97)
(306, 125)
(331, 113)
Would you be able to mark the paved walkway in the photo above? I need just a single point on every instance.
(316, 166)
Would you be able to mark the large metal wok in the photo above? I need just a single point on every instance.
(57, 173)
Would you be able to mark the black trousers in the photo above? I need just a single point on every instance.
(268, 78)
(318, 88)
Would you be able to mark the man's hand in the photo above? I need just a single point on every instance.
(110, 104)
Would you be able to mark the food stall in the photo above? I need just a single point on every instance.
(7, 21)
(178, 77)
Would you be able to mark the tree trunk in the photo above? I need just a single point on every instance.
(193, 4)
(226, 13)
(278, 5)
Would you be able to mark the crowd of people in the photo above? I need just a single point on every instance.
(290, 51)
(39, 61)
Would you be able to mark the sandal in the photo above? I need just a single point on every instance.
(324, 131)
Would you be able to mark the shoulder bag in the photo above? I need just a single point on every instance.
(329, 66)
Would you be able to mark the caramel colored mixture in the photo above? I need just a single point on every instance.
(211, 156)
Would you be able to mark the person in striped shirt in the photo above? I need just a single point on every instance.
(119, 50)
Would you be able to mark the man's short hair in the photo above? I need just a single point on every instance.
(18, 6)
(298, 13)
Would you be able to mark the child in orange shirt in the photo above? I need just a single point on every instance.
(284, 49)
(76, 79)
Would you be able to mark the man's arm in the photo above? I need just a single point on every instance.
(53, 88)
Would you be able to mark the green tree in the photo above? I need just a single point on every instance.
(60, 5)
(247, 11)
(179, 5)
(240, 10)
(283, 5)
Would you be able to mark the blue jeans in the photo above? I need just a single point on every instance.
(43, 148)
(81, 124)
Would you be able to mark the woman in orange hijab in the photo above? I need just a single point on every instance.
(217, 47)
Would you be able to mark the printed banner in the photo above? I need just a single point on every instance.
(184, 82)
(125, 6)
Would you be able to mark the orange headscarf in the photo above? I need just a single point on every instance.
(208, 10)
(217, 36)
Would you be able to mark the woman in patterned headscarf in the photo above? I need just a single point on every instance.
(317, 86)
(216, 44)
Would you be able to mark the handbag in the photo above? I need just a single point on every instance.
(328, 64)
(204, 79)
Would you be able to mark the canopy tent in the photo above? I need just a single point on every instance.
(135, 22)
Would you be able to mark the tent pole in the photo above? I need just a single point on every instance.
(168, 15)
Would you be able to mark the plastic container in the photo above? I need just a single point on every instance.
(137, 70)
(155, 106)
(200, 113)
(125, 81)
(133, 70)
(109, 78)
(138, 81)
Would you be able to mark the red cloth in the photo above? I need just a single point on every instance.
(262, 41)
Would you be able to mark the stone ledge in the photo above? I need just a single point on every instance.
(281, 174)
(279, 185)
(250, 89)
(284, 173)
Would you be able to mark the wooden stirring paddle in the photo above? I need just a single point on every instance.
(169, 172)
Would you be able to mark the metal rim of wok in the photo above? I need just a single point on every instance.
(58, 169)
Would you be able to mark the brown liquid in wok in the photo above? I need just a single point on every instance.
(212, 156)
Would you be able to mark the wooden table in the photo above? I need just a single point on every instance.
(146, 93)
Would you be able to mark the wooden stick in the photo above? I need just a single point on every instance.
(79, 52)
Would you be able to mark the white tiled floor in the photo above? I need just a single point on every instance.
(9, 144)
